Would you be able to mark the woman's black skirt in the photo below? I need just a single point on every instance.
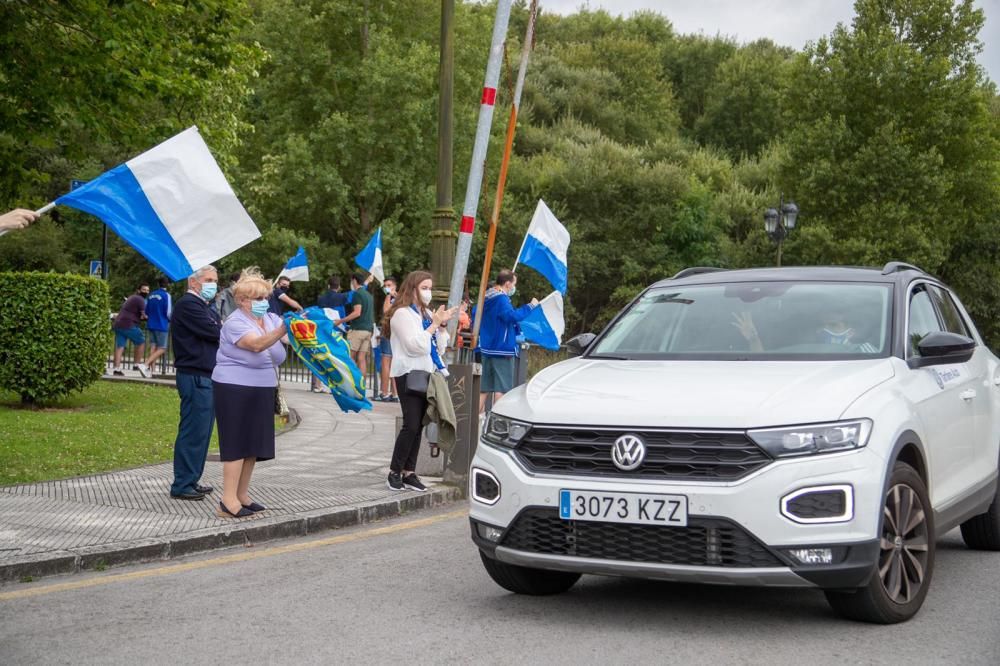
(245, 415)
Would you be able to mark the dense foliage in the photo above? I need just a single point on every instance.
(658, 150)
(54, 334)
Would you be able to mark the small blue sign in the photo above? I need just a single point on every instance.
(73, 184)
(96, 268)
(564, 504)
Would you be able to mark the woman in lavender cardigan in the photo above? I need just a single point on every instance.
(244, 381)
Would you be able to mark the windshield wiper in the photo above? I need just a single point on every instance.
(606, 357)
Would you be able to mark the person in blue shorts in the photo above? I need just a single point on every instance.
(126, 328)
(498, 337)
(158, 307)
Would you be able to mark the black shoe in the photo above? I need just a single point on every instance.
(253, 506)
(242, 513)
(413, 482)
(187, 496)
(395, 482)
(204, 490)
(118, 373)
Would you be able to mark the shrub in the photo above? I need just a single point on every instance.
(54, 334)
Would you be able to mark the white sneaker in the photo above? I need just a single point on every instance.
(144, 370)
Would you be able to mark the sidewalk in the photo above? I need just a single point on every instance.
(328, 472)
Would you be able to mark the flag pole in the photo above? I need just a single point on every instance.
(505, 162)
(474, 182)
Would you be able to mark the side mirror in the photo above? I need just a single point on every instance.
(941, 348)
(578, 345)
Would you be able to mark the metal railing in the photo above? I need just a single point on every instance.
(292, 370)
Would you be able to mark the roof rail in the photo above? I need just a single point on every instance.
(697, 270)
(898, 266)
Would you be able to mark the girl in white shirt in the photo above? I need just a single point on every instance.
(412, 328)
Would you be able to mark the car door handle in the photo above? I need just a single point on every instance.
(967, 395)
(996, 381)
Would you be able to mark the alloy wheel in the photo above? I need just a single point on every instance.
(904, 544)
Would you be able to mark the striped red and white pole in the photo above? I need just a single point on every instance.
(474, 183)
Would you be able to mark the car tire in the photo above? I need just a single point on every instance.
(902, 574)
(982, 532)
(524, 580)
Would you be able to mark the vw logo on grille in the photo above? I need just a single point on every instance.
(628, 452)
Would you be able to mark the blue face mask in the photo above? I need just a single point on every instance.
(208, 290)
(259, 308)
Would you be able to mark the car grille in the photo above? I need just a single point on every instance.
(723, 456)
(704, 542)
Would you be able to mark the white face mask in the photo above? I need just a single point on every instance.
(426, 295)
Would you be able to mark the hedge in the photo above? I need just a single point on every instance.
(54, 334)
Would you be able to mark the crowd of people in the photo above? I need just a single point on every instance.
(229, 344)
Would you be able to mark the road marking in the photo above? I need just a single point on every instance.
(227, 559)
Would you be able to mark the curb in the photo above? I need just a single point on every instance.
(245, 533)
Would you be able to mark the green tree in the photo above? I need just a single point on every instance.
(893, 148)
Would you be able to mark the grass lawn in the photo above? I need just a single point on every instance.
(110, 425)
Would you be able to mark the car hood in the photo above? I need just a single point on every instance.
(693, 394)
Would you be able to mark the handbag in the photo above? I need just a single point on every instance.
(416, 382)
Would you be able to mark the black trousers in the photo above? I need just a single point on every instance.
(414, 405)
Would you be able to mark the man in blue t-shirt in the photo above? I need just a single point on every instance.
(158, 310)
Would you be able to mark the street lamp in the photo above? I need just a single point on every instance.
(777, 225)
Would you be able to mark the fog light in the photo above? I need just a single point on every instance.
(813, 555)
(489, 532)
(485, 487)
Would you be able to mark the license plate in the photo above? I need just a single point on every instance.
(623, 507)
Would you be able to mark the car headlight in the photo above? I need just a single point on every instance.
(814, 438)
(503, 431)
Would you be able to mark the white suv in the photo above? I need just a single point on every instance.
(810, 427)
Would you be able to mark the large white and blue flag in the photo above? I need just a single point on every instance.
(297, 268)
(172, 204)
(545, 247)
(546, 324)
(370, 258)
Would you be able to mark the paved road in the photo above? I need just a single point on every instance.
(413, 591)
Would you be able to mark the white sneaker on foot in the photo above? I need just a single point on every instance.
(144, 370)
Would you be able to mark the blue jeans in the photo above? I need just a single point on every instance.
(193, 432)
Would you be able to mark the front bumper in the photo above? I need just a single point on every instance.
(752, 504)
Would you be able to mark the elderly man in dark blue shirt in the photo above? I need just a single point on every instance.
(195, 333)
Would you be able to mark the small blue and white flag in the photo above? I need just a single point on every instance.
(545, 247)
(545, 325)
(172, 204)
(297, 268)
(370, 258)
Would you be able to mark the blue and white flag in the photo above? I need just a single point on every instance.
(370, 258)
(172, 204)
(297, 268)
(545, 247)
(545, 325)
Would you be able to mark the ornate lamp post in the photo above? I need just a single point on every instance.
(778, 225)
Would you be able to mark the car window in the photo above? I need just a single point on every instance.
(923, 319)
(949, 311)
(767, 320)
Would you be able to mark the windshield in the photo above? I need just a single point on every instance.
(754, 321)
